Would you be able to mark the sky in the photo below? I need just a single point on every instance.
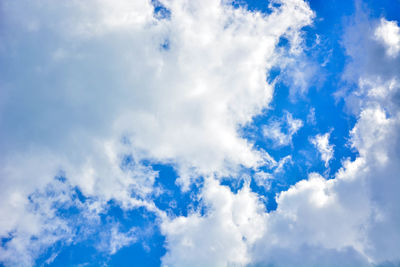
(202, 133)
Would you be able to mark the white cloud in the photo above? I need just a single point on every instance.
(182, 104)
(281, 132)
(346, 221)
(114, 239)
(39, 225)
(102, 77)
(351, 220)
(222, 236)
(321, 142)
(374, 65)
(388, 32)
(88, 83)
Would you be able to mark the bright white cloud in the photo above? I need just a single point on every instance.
(321, 142)
(39, 224)
(388, 32)
(88, 83)
(347, 220)
(102, 86)
(220, 238)
(351, 220)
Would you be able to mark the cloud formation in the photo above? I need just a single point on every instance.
(388, 33)
(321, 142)
(350, 220)
(281, 131)
(87, 85)
(93, 91)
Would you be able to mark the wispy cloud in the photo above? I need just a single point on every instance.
(281, 131)
(321, 142)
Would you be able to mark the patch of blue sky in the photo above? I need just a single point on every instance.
(86, 249)
(160, 11)
(148, 252)
(172, 199)
(148, 247)
(80, 253)
(384, 8)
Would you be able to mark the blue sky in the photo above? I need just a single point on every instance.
(200, 133)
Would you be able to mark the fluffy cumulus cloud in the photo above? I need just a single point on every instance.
(388, 33)
(351, 220)
(223, 236)
(87, 85)
(92, 91)
(347, 221)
